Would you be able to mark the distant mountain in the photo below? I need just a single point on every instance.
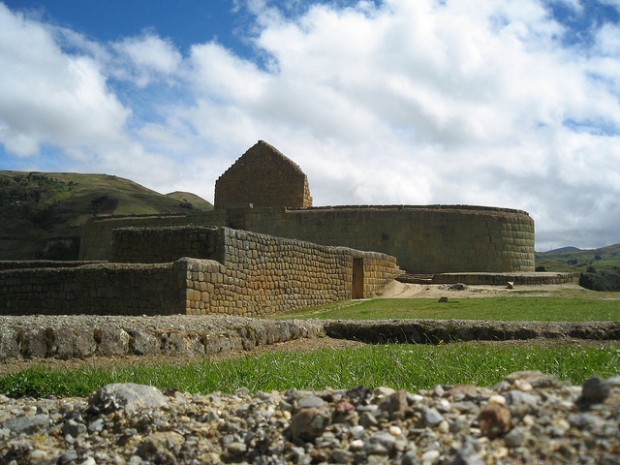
(563, 250)
(41, 213)
(578, 260)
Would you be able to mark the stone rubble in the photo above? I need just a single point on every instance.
(529, 418)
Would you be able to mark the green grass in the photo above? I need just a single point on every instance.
(488, 308)
(411, 367)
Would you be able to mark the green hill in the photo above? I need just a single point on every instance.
(577, 260)
(599, 268)
(41, 213)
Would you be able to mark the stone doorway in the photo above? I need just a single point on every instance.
(358, 278)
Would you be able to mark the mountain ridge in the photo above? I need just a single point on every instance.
(41, 213)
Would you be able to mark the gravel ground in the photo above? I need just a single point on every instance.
(530, 418)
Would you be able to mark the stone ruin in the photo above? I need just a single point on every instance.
(264, 249)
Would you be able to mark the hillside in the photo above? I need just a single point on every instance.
(577, 260)
(41, 213)
(599, 268)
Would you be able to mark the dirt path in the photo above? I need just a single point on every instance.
(398, 290)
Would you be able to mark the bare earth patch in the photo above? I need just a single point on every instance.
(398, 290)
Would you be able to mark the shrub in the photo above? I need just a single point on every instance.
(602, 281)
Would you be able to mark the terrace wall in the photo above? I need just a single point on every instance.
(256, 275)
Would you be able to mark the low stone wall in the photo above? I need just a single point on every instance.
(67, 337)
(108, 289)
(256, 275)
(444, 331)
(23, 264)
(262, 275)
(501, 279)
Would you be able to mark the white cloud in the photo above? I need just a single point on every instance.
(47, 96)
(396, 102)
(146, 58)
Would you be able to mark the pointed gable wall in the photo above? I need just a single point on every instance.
(264, 177)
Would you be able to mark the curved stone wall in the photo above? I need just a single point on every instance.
(424, 239)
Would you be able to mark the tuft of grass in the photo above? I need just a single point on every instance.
(410, 367)
(487, 308)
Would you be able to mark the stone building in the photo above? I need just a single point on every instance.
(265, 192)
(263, 177)
(230, 272)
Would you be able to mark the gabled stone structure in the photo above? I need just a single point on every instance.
(264, 177)
(265, 192)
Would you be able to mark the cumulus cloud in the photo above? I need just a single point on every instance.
(146, 58)
(379, 102)
(48, 96)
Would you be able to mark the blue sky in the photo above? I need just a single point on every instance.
(510, 103)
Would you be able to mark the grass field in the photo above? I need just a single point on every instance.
(411, 367)
(488, 308)
(404, 366)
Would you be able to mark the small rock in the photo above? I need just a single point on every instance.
(495, 420)
(128, 397)
(308, 423)
(380, 443)
(595, 390)
(310, 402)
(458, 287)
(367, 420)
(432, 417)
(27, 425)
(73, 428)
(160, 447)
(468, 455)
(430, 456)
(69, 456)
(395, 404)
(514, 438)
(340, 456)
(443, 299)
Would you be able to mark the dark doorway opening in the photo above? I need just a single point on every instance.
(358, 278)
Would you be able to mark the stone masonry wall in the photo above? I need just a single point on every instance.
(263, 177)
(429, 239)
(236, 272)
(106, 289)
(257, 275)
(425, 239)
(96, 240)
(159, 245)
(262, 275)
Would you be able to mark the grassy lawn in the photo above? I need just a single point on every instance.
(488, 308)
(404, 366)
(409, 367)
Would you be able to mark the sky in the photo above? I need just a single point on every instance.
(506, 103)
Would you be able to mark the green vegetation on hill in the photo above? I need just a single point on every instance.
(576, 260)
(599, 268)
(41, 213)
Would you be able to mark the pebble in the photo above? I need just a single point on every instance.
(595, 390)
(550, 423)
